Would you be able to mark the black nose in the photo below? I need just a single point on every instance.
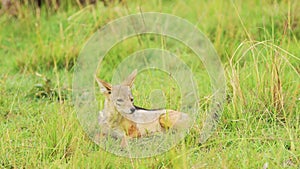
(132, 110)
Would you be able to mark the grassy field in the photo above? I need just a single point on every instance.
(257, 41)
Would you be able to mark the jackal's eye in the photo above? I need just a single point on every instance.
(131, 99)
(120, 100)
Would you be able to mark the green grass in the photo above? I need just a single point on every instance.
(258, 42)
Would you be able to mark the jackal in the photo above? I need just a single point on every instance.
(120, 118)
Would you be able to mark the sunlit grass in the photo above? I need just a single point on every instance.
(257, 41)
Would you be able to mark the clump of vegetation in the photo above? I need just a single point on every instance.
(46, 89)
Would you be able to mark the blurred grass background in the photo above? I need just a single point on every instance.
(257, 41)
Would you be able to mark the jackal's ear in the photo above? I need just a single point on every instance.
(129, 80)
(104, 86)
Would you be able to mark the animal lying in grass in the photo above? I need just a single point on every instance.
(120, 118)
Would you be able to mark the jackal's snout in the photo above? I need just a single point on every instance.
(132, 110)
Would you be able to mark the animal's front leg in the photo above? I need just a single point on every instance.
(116, 133)
(124, 142)
(120, 134)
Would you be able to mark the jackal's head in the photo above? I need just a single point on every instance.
(119, 96)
